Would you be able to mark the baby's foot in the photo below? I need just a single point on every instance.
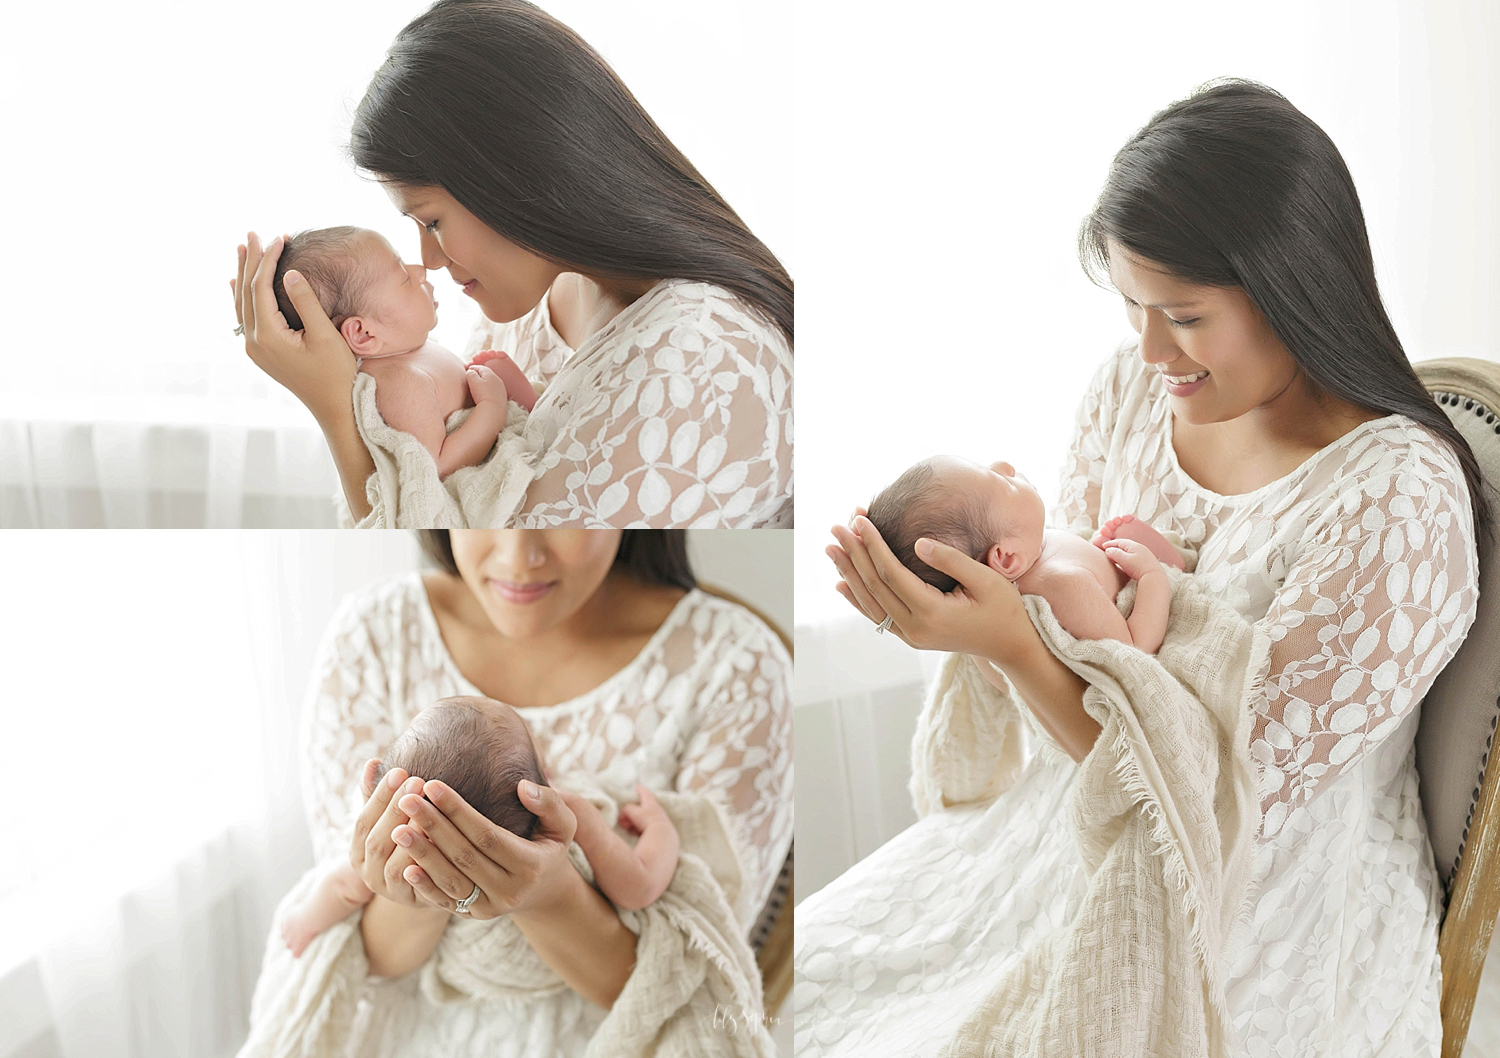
(298, 931)
(1129, 527)
(1111, 528)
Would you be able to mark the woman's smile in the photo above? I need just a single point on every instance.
(1185, 385)
(521, 591)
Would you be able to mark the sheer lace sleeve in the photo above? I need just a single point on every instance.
(1083, 470)
(1367, 616)
(346, 720)
(742, 750)
(688, 423)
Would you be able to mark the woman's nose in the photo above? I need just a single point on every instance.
(1157, 346)
(432, 253)
(520, 548)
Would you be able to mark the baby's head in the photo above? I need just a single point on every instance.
(478, 747)
(992, 514)
(379, 304)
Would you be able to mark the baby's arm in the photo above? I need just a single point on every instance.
(408, 402)
(1153, 593)
(632, 878)
(337, 895)
(517, 386)
(1129, 527)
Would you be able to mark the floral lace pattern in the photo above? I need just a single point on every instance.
(704, 708)
(677, 414)
(1361, 564)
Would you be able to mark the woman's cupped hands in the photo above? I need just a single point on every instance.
(315, 363)
(984, 616)
(419, 843)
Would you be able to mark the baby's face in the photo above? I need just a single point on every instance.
(398, 302)
(1008, 497)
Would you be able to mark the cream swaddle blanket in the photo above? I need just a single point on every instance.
(405, 491)
(693, 962)
(1166, 810)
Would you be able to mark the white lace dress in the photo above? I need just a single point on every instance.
(1361, 563)
(704, 707)
(677, 414)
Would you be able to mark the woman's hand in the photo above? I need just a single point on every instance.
(456, 848)
(984, 616)
(315, 364)
(373, 853)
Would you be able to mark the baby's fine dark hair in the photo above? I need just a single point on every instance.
(914, 506)
(326, 257)
(461, 745)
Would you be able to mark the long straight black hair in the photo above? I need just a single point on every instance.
(1235, 187)
(516, 117)
(656, 557)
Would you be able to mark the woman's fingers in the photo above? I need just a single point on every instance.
(375, 806)
(253, 256)
(955, 563)
(430, 875)
(859, 546)
(555, 820)
(367, 777)
(460, 838)
(856, 591)
(237, 282)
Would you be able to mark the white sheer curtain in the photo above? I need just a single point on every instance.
(151, 687)
(146, 138)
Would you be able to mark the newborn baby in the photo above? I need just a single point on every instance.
(385, 309)
(994, 515)
(482, 749)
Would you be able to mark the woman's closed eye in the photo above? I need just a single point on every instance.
(431, 226)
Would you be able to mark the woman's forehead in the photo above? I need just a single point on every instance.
(1150, 285)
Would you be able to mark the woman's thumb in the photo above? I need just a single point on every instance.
(952, 561)
(305, 303)
(553, 816)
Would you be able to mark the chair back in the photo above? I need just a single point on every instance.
(771, 939)
(1460, 783)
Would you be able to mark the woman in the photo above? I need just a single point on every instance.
(1268, 414)
(620, 281)
(621, 668)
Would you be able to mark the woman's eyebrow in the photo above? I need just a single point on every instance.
(1167, 305)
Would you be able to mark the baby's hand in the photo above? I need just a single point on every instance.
(485, 385)
(636, 818)
(1133, 558)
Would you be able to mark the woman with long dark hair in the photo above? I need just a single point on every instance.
(622, 668)
(1268, 415)
(659, 327)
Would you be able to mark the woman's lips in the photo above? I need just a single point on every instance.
(511, 591)
(1187, 390)
(469, 287)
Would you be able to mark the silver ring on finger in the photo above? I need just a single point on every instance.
(463, 905)
(239, 329)
(883, 625)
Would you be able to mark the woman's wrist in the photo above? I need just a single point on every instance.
(579, 934)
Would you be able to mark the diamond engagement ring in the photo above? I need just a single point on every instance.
(883, 625)
(463, 905)
(239, 329)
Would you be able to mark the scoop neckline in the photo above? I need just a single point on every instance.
(546, 317)
(668, 625)
(1306, 466)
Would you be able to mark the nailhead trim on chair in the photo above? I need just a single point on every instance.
(773, 906)
(1480, 411)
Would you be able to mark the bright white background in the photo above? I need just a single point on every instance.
(946, 155)
(145, 139)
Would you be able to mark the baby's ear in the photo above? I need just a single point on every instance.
(1006, 563)
(361, 341)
